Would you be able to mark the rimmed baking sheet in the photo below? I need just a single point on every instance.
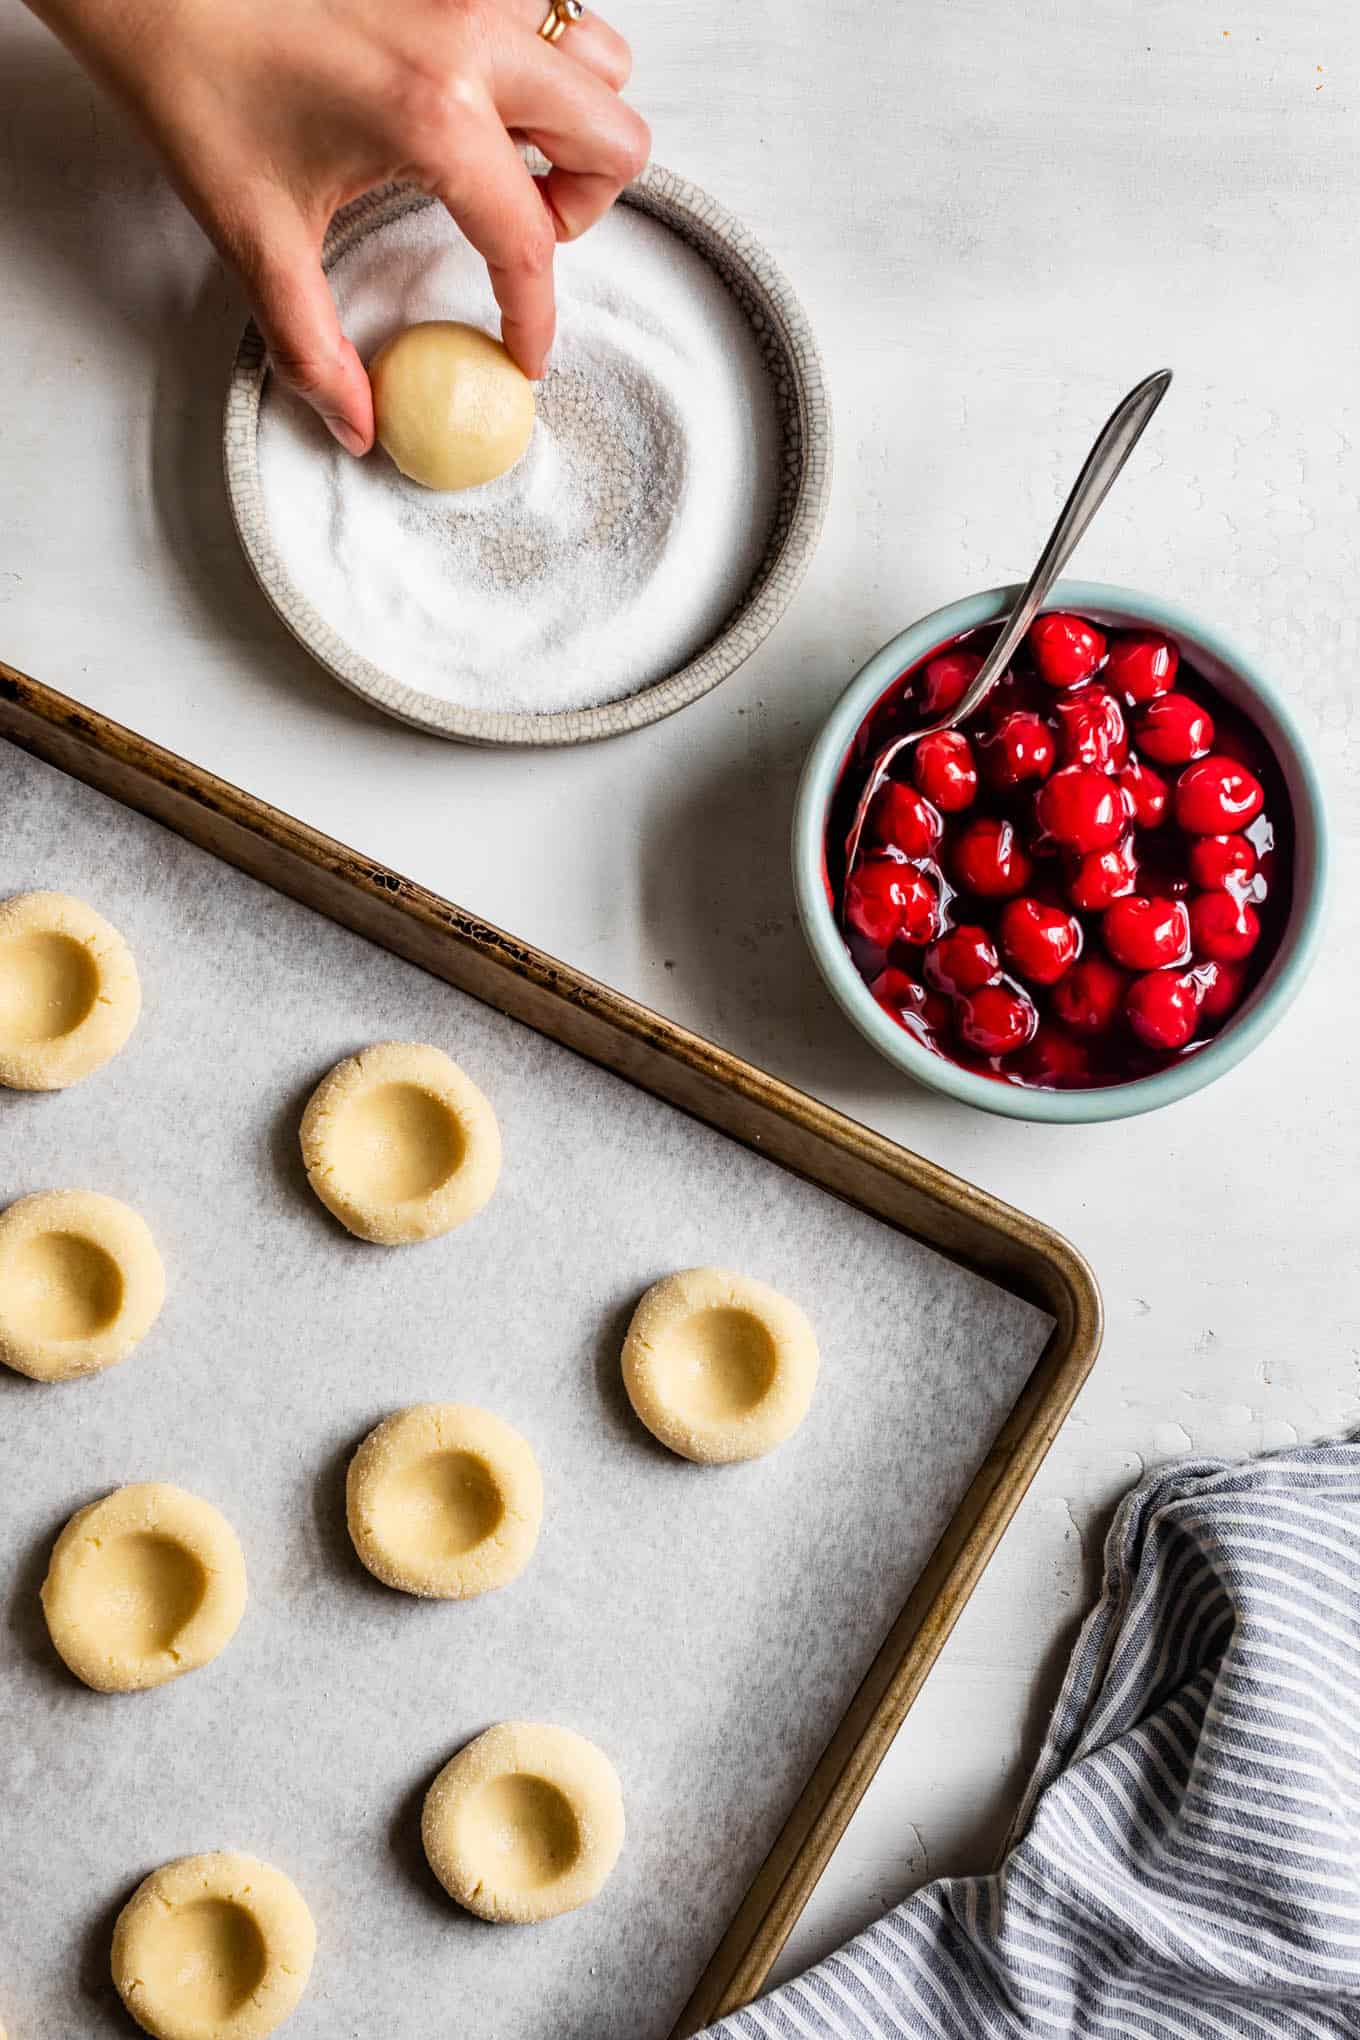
(710, 1628)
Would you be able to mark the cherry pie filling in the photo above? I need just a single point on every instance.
(1082, 884)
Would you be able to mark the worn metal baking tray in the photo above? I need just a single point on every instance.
(790, 1132)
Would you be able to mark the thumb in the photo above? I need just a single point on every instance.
(296, 314)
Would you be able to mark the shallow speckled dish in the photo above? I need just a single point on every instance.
(1241, 680)
(790, 353)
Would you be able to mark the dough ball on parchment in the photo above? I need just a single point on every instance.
(719, 1366)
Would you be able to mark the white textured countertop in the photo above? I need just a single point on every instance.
(998, 218)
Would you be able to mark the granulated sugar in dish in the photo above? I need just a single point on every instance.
(623, 540)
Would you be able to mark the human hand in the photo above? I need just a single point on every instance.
(271, 114)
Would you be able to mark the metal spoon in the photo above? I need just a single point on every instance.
(1118, 436)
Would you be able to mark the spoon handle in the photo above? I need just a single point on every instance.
(1103, 464)
(1119, 435)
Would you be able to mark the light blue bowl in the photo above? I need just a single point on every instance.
(1241, 681)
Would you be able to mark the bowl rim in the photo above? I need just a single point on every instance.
(772, 308)
(1269, 999)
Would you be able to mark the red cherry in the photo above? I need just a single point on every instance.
(1217, 796)
(995, 1020)
(1147, 934)
(1222, 863)
(1163, 1009)
(942, 766)
(906, 1001)
(889, 900)
(1039, 943)
(945, 680)
(1102, 876)
(1055, 1058)
(1091, 728)
(990, 859)
(963, 960)
(1142, 666)
(1065, 649)
(1147, 790)
(1020, 747)
(1090, 996)
(1220, 988)
(1224, 929)
(1082, 808)
(1173, 729)
(905, 820)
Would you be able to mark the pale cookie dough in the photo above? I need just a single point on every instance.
(718, 1366)
(143, 1586)
(444, 1500)
(400, 1144)
(80, 1283)
(450, 406)
(524, 1823)
(215, 1947)
(69, 991)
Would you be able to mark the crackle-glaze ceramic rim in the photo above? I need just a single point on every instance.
(785, 340)
(1240, 678)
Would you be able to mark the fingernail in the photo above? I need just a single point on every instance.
(342, 430)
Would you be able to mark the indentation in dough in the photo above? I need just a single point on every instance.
(716, 1364)
(143, 1590)
(48, 985)
(444, 1504)
(524, 1830)
(65, 1287)
(397, 1141)
(444, 1500)
(204, 1961)
(526, 1822)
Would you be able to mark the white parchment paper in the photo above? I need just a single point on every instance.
(707, 1627)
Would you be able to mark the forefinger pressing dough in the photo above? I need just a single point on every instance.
(215, 1947)
(718, 1366)
(400, 1144)
(143, 1586)
(450, 406)
(69, 991)
(80, 1283)
(524, 1823)
(444, 1500)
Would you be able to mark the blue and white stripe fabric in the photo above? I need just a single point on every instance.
(1187, 1860)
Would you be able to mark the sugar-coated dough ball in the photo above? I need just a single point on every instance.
(718, 1366)
(143, 1586)
(80, 1283)
(524, 1823)
(450, 405)
(215, 1947)
(444, 1500)
(400, 1144)
(69, 991)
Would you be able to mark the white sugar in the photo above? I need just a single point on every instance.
(618, 546)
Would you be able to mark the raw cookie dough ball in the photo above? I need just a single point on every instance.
(80, 1283)
(718, 1366)
(524, 1823)
(450, 405)
(69, 991)
(142, 1586)
(215, 1947)
(444, 1500)
(400, 1144)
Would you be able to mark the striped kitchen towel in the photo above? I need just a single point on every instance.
(1187, 1858)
